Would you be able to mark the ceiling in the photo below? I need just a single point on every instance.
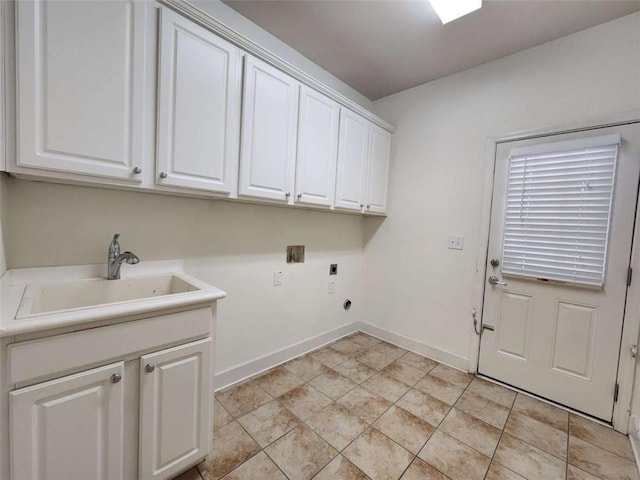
(380, 47)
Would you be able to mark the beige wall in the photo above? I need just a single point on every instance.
(234, 246)
(413, 285)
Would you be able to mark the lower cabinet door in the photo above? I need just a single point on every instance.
(69, 428)
(175, 409)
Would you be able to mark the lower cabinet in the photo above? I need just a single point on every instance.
(73, 427)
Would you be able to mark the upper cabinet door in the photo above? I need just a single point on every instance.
(353, 152)
(175, 409)
(198, 108)
(317, 148)
(268, 149)
(378, 170)
(80, 68)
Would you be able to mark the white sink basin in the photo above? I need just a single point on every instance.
(98, 292)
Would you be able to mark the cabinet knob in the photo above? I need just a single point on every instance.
(368, 207)
(116, 377)
(149, 368)
(361, 205)
(288, 194)
(299, 195)
(137, 170)
(163, 174)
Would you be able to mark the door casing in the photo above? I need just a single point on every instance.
(631, 326)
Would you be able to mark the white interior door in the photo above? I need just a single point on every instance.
(551, 327)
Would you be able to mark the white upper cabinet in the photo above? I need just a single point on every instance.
(377, 170)
(268, 149)
(80, 74)
(198, 107)
(353, 151)
(317, 151)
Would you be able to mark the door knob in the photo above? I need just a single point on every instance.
(493, 280)
(495, 262)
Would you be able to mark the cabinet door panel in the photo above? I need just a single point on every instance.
(352, 160)
(80, 71)
(175, 408)
(378, 170)
(317, 148)
(199, 107)
(269, 132)
(71, 427)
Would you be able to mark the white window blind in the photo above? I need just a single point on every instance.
(558, 210)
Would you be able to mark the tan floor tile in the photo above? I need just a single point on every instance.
(243, 398)
(378, 456)
(473, 432)
(424, 364)
(366, 405)
(527, 460)
(440, 389)
(387, 387)
(601, 436)
(538, 434)
(453, 458)
(191, 474)
(348, 346)
(355, 370)
(278, 381)
(231, 447)
(574, 473)
(424, 406)
(374, 359)
(301, 453)
(220, 415)
(483, 409)
(403, 372)
(268, 423)
(363, 339)
(305, 368)
(498, 472)
(600, 462)
(341, 469)
(304, 401)
(404, 428)
(494, 392)
(332, 384)
(542, 412)
(257, 467)
(451, 375)
(337, 425)
(420, 470)
(329, 357)
(389, 350)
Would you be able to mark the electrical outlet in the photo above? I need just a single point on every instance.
(332, 286)
(455, 242)
(277, 279)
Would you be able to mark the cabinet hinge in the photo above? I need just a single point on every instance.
(629, 275)
(615, 392)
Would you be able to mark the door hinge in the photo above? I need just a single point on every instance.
(615, 392)
(629, 275)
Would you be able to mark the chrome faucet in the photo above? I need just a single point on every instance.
(114, 262)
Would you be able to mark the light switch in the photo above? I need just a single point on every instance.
(277, 279)
(455, 242)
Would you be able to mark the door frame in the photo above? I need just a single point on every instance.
(631, 324)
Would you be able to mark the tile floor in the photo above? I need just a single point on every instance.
(361, 408)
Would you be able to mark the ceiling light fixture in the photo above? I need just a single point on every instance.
(449, 10)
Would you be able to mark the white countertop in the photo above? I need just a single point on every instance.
(14, 283)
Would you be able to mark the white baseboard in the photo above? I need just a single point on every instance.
(251, 368)
(451, 359)
(634, 437)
